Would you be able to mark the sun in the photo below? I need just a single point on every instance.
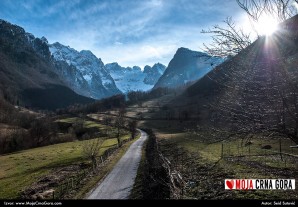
(266, 25)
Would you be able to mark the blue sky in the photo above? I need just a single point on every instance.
(130, 32)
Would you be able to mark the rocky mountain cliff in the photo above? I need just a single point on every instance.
(186, 66)
(83, 72)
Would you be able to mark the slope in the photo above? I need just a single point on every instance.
(255, 91)
(186, 66)
(25, 64)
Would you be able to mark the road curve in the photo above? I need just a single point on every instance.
(119, 182)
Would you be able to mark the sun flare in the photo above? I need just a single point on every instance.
(266, 25)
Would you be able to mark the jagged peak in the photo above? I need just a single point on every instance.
(136, 68)
(147, 69)
(86, 52)
(58, 44)
(64, 48)
(156, 67)
(159, 65)
(113, 64)
(100, 60)
(2, 21)
(6, 22)
(44, 40)
(184, 50)
(29, 35)
(11, 26)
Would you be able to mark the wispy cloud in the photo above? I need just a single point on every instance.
(89, 11)
(127, 31)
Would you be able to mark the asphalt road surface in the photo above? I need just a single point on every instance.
(119, 182)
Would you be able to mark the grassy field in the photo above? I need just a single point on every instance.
(232, 147)
(203, 160)
(19, 170)
(86, 123)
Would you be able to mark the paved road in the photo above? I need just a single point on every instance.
(119, 182)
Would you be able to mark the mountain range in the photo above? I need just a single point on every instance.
(134, 79)
(31, 66)
(83, 72)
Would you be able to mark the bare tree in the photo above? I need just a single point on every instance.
(41, 132)
(278, 9)
(78, 127)
(259, 91)
(91, 149)
(120, 123)
(229, 40)
(132, 126)
(107, 120)
(226, 41)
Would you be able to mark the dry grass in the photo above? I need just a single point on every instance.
(202, 164)
(19, 170)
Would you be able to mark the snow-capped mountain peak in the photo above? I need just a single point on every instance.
(134, 79)
(84, 72)
(87, 53)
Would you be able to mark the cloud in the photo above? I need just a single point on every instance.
(155, 3)
(27, 5)
(140, 55)
(118, 43)
(89, 11)
(127, 31)
(161, 49)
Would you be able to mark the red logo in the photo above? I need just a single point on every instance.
(230, 183)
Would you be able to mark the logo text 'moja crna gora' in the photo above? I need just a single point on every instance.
(260, 184)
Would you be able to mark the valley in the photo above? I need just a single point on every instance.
(204, 158)
(76, 124)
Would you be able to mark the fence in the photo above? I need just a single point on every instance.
(276, 152)
(75, 181)
(176, 181)
(69, 184)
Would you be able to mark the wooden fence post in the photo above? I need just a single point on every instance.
(238, 148)
(68, 185)
(222, 146)
(61, 190)
(280, 149)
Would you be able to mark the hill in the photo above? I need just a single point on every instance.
(26, 65)
(255, 91)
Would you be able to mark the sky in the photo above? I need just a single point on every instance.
(130, 32)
